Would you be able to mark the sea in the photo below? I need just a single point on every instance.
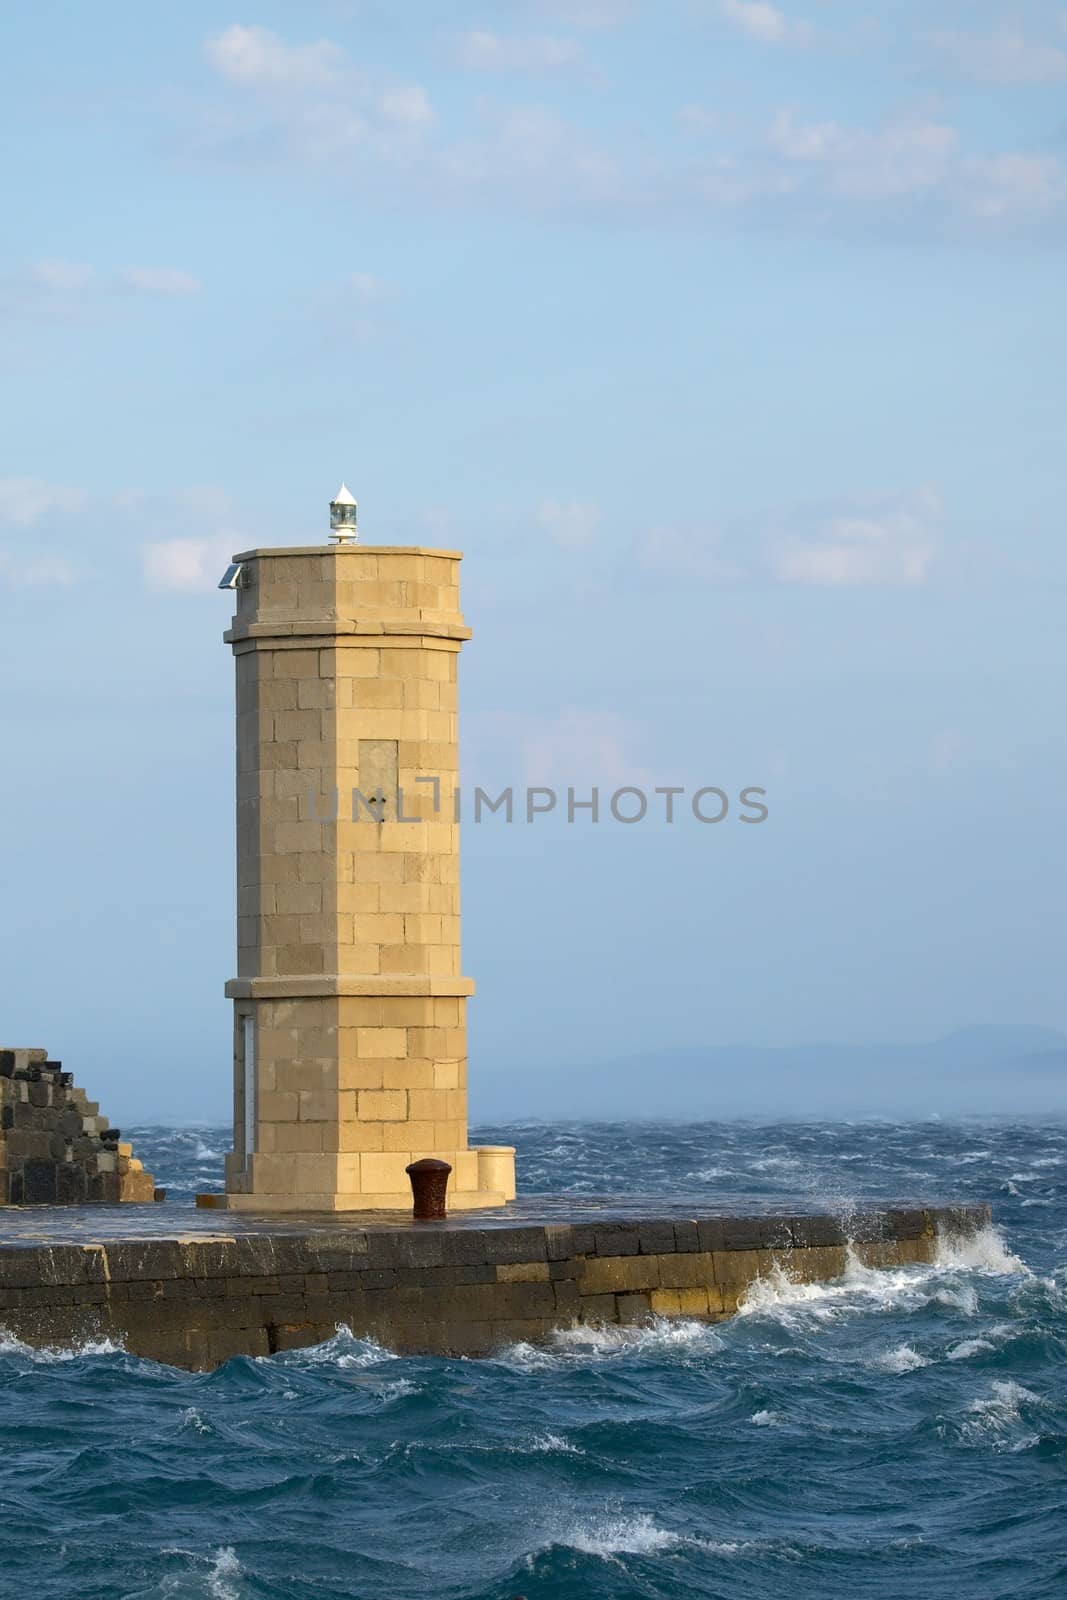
(896, 1435)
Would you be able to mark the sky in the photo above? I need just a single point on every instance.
(725, 338)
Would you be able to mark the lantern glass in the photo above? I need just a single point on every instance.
(342, 516)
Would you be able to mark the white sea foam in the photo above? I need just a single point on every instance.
(969, 1347)
(342, 1349)
(225, 1570)
(958, 1296)
(220, 1580)
(994, 1418)
(946, 1281)
(395, 1390)
(904, 1358)
(552, 1444)
(781, 1297)
(595, 1342)
(765, 1419)
(635, 1535)
(191, 1418)
(982, 1251)
(45, 1355)
(544, 1444)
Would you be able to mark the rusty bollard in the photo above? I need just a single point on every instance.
(429, 1180)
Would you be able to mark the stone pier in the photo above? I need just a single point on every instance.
(193, 1298)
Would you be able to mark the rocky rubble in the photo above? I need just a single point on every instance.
(55, 1147)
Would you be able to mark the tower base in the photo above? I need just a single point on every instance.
(301, 1205)
(481, 1178)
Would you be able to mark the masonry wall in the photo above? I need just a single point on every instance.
(434, 1288)
(55, 1147)
(349, 969)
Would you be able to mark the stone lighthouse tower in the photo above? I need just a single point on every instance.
(350, 1041)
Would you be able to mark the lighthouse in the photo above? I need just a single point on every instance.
(350, 1000)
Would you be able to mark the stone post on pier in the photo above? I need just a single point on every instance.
(349, 1004)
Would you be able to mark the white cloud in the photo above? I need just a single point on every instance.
(697, 119)
(901, 159)
(407, 106)
(912, 175)
(165, 281)
(570, 523)
(589, 15)
(1005, 55)
(187, 565)
(25, 501)
(256, 58)
(61, 276)
(764, 22)
(352, 309)
(1007, 186)
(37, 572)
(914, 160)
(481, 51)
(322, 108)
(59, 290)
(884, 541)
(366, 287)
(578, 747)
(696, 552)
(887, 543)
(532, 151)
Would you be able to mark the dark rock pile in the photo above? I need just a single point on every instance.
(55, 1147)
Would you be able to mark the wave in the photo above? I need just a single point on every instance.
(981, 1251)
(897, 1288)
(998, 1417)
(220, 1579)
(637, 1534)
(598, 1342)
(903, 1358)
(342, 1349)
(47, 1355)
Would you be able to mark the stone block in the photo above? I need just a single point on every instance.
(615, 1274)
(617, 1239)
(711, 1234)
(686, 1236)
(655, 1238)
(735, 1269)
(690, 1270)
(816, 1231)
(383, 1105)
(72, 1184)
(633, 1309)
(522, 1272)
(744, 1233)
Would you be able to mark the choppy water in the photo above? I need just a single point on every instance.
(894, 1435)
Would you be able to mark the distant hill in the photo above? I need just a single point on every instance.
(981, 1070)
